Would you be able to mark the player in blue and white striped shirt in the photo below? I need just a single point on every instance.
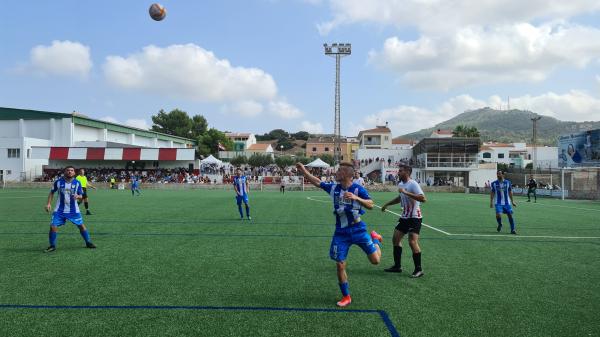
(69, 191)
(349, 199)
(240, 185)
(501, 197)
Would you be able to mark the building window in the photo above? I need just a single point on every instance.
(385, 138)
(314, 149)
(28, 153)
(487, 155)
(326, 149)
(500, 155)
(368, 139)
(14, 153)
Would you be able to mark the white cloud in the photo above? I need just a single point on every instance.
(311, 127)
(571, 106)
(443, 15)
(243, 108)
(190, 72)
(64, 58)
(475, 55)
(284, 110)
(133, 122)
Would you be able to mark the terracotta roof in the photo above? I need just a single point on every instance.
(258, 147)
(237, 134)
(400, 140)
(378, 129)
(484, 148)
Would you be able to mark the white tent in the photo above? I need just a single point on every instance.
(318, 163)
(210, 160)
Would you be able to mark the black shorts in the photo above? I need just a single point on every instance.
(84, 195)
(410, 225)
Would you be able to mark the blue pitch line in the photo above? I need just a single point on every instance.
(499, 238)
(384, 316)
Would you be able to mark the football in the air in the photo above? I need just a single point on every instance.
(157, 12)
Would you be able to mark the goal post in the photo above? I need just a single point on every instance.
(580, 183)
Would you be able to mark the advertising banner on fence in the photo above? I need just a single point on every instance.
(580, 149)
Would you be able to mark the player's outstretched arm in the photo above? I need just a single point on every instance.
(313, 180)
(492, 199)
(394, 201)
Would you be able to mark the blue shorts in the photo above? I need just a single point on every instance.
(506, 209)
(240, 198)
(344, 238)
(59, 219)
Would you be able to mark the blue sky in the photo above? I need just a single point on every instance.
(256, 65)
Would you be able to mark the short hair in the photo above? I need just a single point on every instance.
(347, 165)
(501, 172)
(405, 166)
(68, 167)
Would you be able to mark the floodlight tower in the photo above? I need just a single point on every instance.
(534, 139)
(337, 50)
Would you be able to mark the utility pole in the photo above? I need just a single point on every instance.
(534, 139)
(337, 50)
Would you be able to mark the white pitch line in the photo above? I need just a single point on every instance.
(530, 236)
(488, 235)
(387, 210)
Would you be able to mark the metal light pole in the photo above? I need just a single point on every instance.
(534, 139)
(337, 50)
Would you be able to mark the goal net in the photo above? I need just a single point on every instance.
(581, 183)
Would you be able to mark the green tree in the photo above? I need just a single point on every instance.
(239, 160)
(284, 161)
(300, 135)
(258, 159)
(302, 159)
(208, 143)
(285, 142)
(465, 131)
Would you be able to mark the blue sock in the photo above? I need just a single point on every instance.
(375, 241)
(499, 220)
(247, 210)
(240, 209)
(85, 235)
(52, 238)
(345, 289)
(512, 223)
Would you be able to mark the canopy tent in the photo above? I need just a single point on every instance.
(210, 160)
(318, 163)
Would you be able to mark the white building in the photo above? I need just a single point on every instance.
(27, 138)
(519, 154)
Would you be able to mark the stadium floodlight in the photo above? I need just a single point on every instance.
(337, 50)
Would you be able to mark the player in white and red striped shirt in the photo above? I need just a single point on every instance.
(411, 196)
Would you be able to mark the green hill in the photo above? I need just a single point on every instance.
(509, 126)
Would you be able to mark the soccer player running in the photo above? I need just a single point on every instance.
(240, 185)
(411, 196)
(69, 191)
(532, 187)
(502, 198)
(84, 185)
(349, 199)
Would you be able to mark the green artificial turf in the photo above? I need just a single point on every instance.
(181, 263)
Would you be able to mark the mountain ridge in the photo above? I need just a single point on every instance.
(509, 126)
